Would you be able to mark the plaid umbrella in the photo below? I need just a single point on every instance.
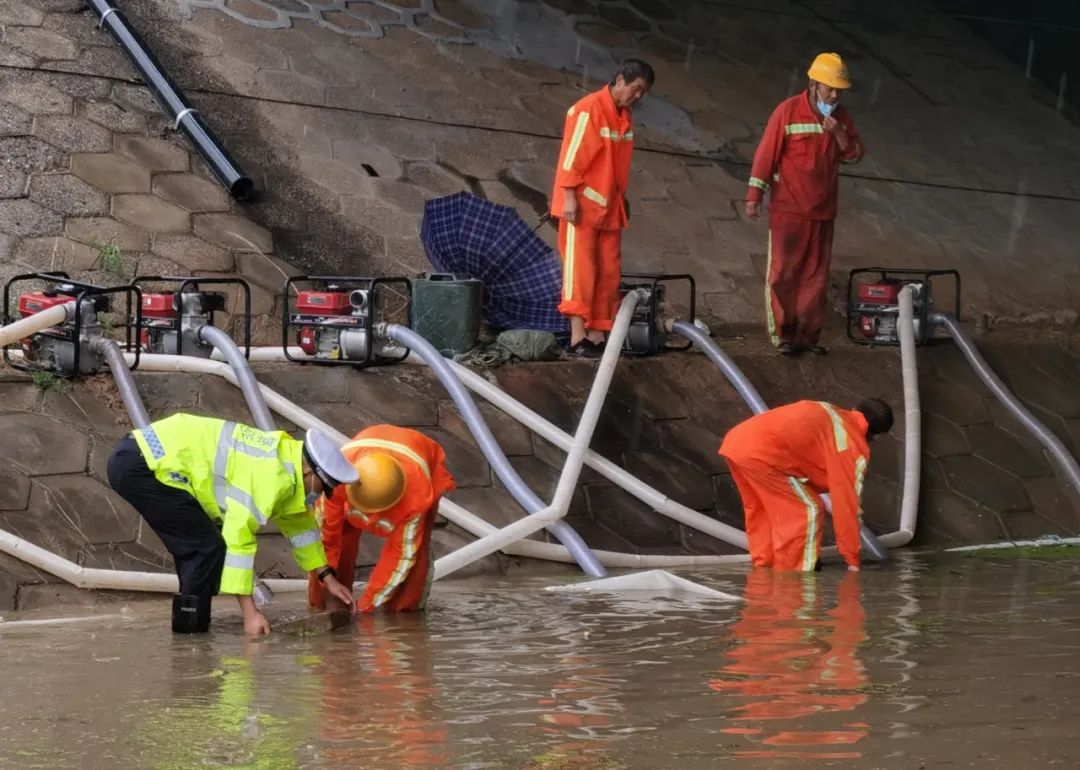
(522, 277)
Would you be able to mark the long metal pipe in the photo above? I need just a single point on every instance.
(757, 405)
(520, 491)
(553, 514)
(170, 97)
(249, 386)
(1065, 461)
(125, 383)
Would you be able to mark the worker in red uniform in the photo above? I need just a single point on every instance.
(589, 199)
(798, 159)
(402, 478)
(784, 459)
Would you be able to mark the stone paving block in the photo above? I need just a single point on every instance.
(154, 154)
(24, 217)
(984, 483)
(98, 231)
(546, 452)
(163, 393)
(18, 14)
(464, 461)
(89, 509)
(495, 506)
(67, 194)
(302, 386)
(125, 556)
(14, 489)
(72, 134)
(29, 155)
(191, 192)
(111, 173)
(14, 121)
(51, 595)
(1000, 448)
(511, 436)
(378, 397)
(96, 407)
(946, 517)
(951, 402)
(150, 213)
(193, 253)
(10, 56)
(1023, 525)
(693, 443)
(14, 185)
(619, 431)
(629, 518)
(34, 96)
(677, 479)
(233, 232)
(290, 87)
(1051, 498)
(941, 438)
(881, 505)
(1059, 397)
(56, 253)
(114, 117)
(41, 42)
(391, 220)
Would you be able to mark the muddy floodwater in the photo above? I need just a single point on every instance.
(936, 662)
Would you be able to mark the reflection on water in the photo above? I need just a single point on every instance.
(793, 658)
(958, 662)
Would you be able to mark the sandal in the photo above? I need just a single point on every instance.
(586, 349)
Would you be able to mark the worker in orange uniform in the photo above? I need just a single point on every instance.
(798, 159)
(402, 478)
(784, 459)
(589, 199)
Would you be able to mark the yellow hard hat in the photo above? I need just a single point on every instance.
(381, 484)
(828, 68)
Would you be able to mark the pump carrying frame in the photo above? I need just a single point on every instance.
(193, 285)
(292, 320)
(651, 309)
(80, 292)
(903, 276)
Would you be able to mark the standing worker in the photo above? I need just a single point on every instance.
(806, 139)
(205, 486)
(589, 199)
(784, 459)
(402, 476)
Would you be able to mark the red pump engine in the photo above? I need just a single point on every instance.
(325, 319)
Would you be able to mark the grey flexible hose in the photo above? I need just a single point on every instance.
(757, 405)
(525, 497)
(125, 383)
(1044, 435)
(249, 386)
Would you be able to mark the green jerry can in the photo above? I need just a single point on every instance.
(446, 311)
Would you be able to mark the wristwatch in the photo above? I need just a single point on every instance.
(326, 571)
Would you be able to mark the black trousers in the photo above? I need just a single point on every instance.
(192, 538)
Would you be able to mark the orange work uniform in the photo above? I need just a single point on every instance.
(799, 161)
(782, 461)
(402, 576)
(598, 141)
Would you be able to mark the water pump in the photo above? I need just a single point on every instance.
(648, 332)
(171, 318)
(65, 349)
(332, 318)
(873, 308)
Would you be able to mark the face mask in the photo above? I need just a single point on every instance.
(825, 109)
(309, 501)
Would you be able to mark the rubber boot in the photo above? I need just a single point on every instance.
(190, 614)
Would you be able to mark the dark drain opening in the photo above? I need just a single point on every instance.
(369, 169)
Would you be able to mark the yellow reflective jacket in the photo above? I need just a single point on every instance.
(242, 477)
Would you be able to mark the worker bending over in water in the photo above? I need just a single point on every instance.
(402, 476)
(784, 459)
(205, 486)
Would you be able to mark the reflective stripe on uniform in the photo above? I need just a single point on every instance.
(860, 476)
(305, 538)
(809, 552)
(615, 136)
(157, 450)
(223, 490)
(568, 266)
(240, 561)
(384, 525)
(839, 431)
(594, 196)
(761, 184)
(393, 446)
(575, 140)
(803, 128)
(409, 548)
(770, 319)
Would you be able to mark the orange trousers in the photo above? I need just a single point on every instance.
(592, 270)
(410, 593)
(797, 284)
(783, 517)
